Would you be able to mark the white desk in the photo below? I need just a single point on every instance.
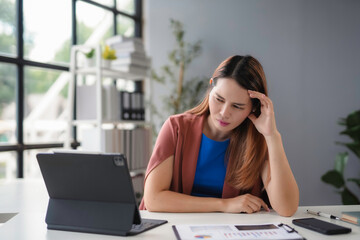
(29, 198)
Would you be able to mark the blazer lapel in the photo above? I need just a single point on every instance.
(191, 149)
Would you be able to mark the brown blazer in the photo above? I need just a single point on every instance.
(180, 136)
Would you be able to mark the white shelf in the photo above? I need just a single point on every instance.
(99, 72)
(108, 72)
(95, 122)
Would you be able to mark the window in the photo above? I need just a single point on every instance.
(7, 103)
(8, 27)
(45, 92)
(127, 6)
(47, 32)
(125, 26)
(93, 22)
(35, 41)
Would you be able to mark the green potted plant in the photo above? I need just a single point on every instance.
(89, 57)
(108, 55)
(183, 92)
(336, 177)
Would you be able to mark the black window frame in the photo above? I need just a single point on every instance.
(21, 63)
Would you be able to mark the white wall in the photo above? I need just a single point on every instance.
(310, 51)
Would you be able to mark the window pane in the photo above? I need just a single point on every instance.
(7, 27)
(127, 6)
(109, 3)
(7, 103)
(125, 26)
(31, 166)
(94, 25)
(47, 30)
(45, 105)
(7, 165)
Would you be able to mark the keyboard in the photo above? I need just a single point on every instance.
(146, 224)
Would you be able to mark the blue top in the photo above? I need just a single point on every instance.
(210, 168)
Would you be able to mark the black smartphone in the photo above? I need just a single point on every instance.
(320, 226)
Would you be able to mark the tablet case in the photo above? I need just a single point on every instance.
(89, 193)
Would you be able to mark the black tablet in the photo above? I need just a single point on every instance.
(321, 226)
(91, 193)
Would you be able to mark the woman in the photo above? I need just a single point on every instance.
(225, 154)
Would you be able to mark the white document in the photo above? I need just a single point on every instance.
(241, 231)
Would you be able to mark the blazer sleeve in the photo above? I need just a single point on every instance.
(165, 145)
(164, 148)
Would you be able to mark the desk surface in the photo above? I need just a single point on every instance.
(29, 199)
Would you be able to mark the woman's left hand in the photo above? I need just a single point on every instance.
(265, 123)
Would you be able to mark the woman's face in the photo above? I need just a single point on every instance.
(229, 106)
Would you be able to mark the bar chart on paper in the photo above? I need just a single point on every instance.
(262, 231)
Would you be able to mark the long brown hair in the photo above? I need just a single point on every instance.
(247, 148)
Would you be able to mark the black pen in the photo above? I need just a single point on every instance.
(323, 214)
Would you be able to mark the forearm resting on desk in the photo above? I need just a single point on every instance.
(159, 198)
(169, 201)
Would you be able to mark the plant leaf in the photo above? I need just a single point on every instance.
(353, 119)
(156, 77)
(342, 121)
(348, 198)
(172, 55)
(353, 133)
(340, 162)
(334, 178)
(167, 70)
(355, 180)
(90, 54)
(354, 147)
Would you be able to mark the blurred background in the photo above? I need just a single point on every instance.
(309, 50)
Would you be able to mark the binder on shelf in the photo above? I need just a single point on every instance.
(125, 106)
(136, 111)
(86, 99)
(91, 138)
(86, 102)
(111, 103)
(132, 106)
(140, 109)
(142, 106)
(116, 105)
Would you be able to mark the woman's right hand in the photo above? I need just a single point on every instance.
(246, 203)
